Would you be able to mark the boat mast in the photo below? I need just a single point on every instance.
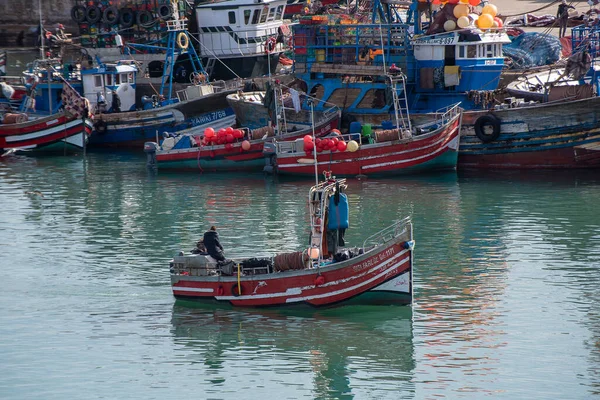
(41, 30)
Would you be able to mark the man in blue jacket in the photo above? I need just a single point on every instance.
(213, 245)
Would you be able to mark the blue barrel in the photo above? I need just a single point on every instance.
(338, 213)
(387, 125)
(355, 127)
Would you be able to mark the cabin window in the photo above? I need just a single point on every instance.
(247, 14)
(489, 50)
(264, 14)
(232, 17)
(271, 14)
(471, 51)
(255, 17)
(117, 79)
(279, 14)
(109, 80)
(130, 77)
(98, 80)
(461, 51)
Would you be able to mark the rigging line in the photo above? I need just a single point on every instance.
(532, 11)
(213, 54)
(313, 98)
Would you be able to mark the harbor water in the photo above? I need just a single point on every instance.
(507, 287)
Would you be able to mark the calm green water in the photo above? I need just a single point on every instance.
(507, 288)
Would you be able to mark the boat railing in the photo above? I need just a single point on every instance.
(389, 233)
(448, 113)
(367, 44)
(588, 38)
(243, 42)
(175, 25)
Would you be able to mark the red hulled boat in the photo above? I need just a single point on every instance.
(379, 272)
(244, 152)
(57, 132)
(393, 152)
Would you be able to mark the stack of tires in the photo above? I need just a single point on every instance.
(100, 18)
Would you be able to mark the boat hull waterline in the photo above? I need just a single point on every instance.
(216, 158)
(48, 134)
(383, 275)
(434, 151)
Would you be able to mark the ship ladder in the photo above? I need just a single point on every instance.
(400, 102)
(210, 66)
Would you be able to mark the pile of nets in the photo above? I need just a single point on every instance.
(533, 49)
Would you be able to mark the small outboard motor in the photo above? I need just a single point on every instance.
(150, 149)
(269, 152)
(147, 103)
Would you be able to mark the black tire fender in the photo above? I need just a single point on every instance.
(488, 120)
(100, 127)
(126, 17)
(93, 14)
(165, 11)
(111, 15)
(145, 19)
(78, 14)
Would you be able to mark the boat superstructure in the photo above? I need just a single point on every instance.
(245, 36)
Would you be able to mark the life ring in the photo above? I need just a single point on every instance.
(488, 120)
(78, 14)
(110, 15)
(197, 78)
(235, 291)
(100, 127)
(144, 18)
(182, 41)
(126, 17)
(93, 14)
(165, 11)
(270, 45)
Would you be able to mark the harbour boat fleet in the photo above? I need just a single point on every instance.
(401, 93)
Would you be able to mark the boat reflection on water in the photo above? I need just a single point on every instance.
(343, 353)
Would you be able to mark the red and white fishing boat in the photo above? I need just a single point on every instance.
(240, 152)
(378, 272)
(58, 132)
(403, 150)
(54, 133)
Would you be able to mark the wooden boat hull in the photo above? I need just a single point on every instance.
(223, 158)
(57, 132)
(380, 276)
(437, 150)
(252, 114)
(562, 135)
(133, 129)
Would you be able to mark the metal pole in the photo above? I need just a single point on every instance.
(83, 133)
(49, 77)
(41, 30)
(312, 120)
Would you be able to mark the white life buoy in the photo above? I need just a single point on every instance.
(182, 41)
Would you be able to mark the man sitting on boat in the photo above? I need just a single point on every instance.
(213, 244)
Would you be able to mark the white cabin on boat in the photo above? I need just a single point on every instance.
(100, 82)
(234, 28)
